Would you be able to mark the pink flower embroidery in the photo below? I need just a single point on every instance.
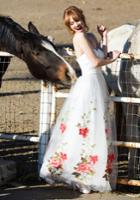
(83, 131)
(108, 131)
(55, 163)
(83, 167)
(93, 159)
(62, 127)
(63, 156)
(57, 160)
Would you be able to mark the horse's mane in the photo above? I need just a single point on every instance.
(12, 34)
(11, 24)
(8, 29)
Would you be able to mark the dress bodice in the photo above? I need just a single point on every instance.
(86, 65)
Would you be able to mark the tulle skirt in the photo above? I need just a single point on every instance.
(81, 151)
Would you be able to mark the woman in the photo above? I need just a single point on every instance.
(80, 152)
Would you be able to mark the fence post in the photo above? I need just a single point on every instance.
(45, 119)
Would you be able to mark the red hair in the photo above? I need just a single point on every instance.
(76, 14)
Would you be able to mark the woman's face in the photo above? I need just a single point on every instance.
(76, 25)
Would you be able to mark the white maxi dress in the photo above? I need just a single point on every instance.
(80, 152)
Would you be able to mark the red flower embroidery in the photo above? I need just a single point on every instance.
(62, 127)
(63, 156)
(109, 168)
(83, 131)
(83, 167)
(93, 159)
(111, 157)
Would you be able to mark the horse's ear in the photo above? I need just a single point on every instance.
(32, 28)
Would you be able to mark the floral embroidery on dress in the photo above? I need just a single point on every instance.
(64, 119)
(85, 166)
(93, 159)
(62, 127)
(83, 131)
(111, 158)
(108, 132)
(85, 120)
(55, 163)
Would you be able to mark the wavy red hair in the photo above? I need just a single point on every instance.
(76, 14)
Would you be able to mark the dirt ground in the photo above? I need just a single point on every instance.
(47, 16)
(59, 192)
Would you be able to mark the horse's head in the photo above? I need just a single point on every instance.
(43, 60)
(36, 50)
(43, 63)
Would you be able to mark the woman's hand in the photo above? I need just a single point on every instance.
(102, 30)
(113, 55)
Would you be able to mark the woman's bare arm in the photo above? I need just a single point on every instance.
(82, 44)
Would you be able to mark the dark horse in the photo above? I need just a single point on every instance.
(4, 62)
(38, 52)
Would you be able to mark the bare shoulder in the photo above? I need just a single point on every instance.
(79, 36)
